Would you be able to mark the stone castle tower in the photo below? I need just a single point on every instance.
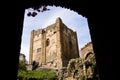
(54, 45)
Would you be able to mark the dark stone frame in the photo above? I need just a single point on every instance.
(100, 29)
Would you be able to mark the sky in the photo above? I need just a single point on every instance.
(70, 18)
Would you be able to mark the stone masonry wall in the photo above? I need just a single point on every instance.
(53, 46)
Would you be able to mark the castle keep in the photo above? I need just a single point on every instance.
(53, 46)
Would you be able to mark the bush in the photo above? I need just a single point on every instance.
(22, 66)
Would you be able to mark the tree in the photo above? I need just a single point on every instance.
(33, 11)
(22, 66)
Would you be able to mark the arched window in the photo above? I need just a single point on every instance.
(47, 42)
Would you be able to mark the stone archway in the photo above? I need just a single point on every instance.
(88, 54)
(80, 8)
(99, 30)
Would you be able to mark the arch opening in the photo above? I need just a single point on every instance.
(71, 20)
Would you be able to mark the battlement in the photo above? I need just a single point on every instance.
(89, 43)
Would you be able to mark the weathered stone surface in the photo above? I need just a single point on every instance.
(83, 68)
(89, 61)
(53, 46)
(86, 50)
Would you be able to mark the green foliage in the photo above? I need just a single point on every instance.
(93, 67)
(23, 73)
(81, 66)
(72, 64)
(37, 74)
(95, 71)
(22, 66)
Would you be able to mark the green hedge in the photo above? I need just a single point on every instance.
(37, 74)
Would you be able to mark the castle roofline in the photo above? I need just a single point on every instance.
(86, 45)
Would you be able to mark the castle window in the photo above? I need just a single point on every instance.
(54, 32)
(47, 42)
(38, 50)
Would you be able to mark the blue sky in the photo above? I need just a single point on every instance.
(70, 18)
